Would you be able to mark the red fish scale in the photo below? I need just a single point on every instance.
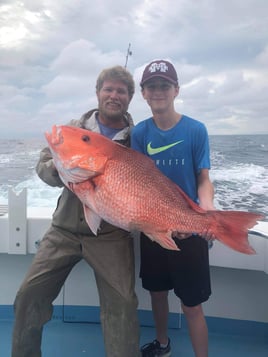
(126, 189)
(124, 194)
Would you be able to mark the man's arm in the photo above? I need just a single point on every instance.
(46, 169)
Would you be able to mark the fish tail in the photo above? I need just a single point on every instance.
(232, 228)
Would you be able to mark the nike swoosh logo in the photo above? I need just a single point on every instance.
(153, 151)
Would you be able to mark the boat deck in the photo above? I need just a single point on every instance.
(61, 339)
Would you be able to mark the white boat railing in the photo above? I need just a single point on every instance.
(22, 229)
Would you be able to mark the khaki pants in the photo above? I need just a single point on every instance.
(111, 256)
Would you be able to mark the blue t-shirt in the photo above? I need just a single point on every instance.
(107, 131)
(180, 152)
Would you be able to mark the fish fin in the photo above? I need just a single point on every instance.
(164, 239)
(92, 219)
(231, 228)
(94, 164)
(190, 202)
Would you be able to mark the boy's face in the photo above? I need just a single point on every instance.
(159, 94)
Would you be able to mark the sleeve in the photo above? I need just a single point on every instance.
(46, 169)
(202, 150)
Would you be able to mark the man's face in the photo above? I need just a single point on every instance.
(113, 99)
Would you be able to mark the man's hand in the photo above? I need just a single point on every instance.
(179, 235)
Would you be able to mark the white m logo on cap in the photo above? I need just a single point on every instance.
(161, 67)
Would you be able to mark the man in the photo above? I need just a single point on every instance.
(69, 240)
(179, 146)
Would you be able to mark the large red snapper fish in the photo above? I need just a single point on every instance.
(126, 189)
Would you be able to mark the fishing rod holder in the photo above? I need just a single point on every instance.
(17, 221)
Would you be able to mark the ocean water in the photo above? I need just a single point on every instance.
(18, 159)
(239, 172)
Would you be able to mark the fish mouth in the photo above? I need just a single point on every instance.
(55, 137)
(71, 169)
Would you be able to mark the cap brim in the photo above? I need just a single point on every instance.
(161, 76)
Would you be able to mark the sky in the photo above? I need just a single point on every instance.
(51, 53)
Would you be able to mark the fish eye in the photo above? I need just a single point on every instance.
(85, 138)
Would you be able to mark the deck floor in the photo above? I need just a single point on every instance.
(61, 339)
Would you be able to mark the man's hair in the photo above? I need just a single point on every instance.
(116, 73)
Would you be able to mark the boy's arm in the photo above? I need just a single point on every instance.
(205, 190)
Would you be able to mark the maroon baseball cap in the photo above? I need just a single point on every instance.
(160, 68)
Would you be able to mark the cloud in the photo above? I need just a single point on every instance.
(48, 69)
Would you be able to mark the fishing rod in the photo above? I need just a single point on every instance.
(129, 53)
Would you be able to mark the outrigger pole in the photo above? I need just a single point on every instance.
(129, 53)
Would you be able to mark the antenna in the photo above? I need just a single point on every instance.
(129, 53)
